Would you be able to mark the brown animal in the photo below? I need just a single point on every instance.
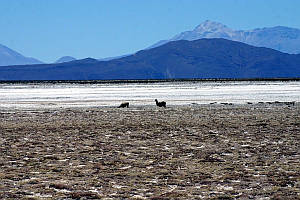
(124, 104)
(161, 104)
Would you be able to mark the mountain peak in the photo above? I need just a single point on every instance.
(210, 26)
(213, 27)
(280, 38)
(11, 57)
(207, 29)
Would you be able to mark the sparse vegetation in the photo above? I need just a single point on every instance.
(184, 152)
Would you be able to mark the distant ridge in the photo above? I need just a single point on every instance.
(280, 38)
(65, 59)
(198, 59)
(11, 57)
(113, 58)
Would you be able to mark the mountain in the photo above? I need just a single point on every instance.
(11, 57)
(113, 58)
(84, 61)
(65, 59)
(279, 38)
(204, 58)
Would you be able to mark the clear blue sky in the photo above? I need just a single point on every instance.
(49, 29)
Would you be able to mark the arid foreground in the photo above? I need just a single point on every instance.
(184, 152)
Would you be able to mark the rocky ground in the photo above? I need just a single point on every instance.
(182, 152)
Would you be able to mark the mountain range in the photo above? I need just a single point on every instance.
(203, 58)
(280, 38)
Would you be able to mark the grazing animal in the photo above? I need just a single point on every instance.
(161, 104)
(124, 104)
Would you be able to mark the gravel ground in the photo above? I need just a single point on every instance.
(181, 152)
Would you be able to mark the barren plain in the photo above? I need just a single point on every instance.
(181, 152)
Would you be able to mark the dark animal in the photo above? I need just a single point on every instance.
(124, 104)
(161, 104)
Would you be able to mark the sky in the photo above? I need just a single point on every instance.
(50, 29)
